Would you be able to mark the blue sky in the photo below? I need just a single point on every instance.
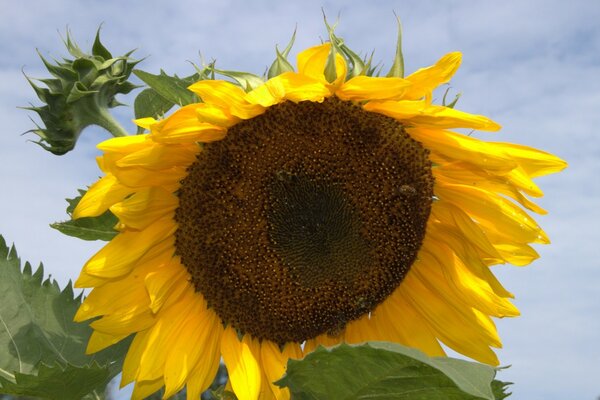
(532, 66)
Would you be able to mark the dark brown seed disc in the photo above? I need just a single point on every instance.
(303, 218)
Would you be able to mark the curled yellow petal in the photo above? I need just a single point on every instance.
(424, 115)
(144, 207)
(288, 86)
(227, 96)
(312, 61)
(119, 255)
(367, 88)
(425, 80)
(100, 196)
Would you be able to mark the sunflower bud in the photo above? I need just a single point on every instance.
(80, 94)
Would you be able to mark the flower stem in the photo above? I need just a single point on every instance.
(108, 122)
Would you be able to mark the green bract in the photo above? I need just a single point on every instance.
(80, 94)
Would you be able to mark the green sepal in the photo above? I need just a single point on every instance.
(80, 94)
(281, 63)
(98, 48)
(452, 104)
(397, 69)
(87, 228)
(358, 66)
(246, 80)
(58, 382)
(330, 70)
(38, 329)
(386, 371)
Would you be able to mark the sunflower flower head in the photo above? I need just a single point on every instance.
(326, 204)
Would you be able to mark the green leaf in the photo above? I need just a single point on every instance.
(246, 80)
(385, 370)
(171, 88)
(88, 228)
(500, 389)
(150, 104)
(37, 327)
(57, 382)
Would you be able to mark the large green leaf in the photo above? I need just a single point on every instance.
(500, 389)
(150, 104)
(58, 382)
(171, 88)
(37, 327)
(385, 371)
(88, 228)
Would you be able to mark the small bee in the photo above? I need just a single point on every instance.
(407, 190)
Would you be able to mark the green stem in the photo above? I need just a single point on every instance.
(108, 122)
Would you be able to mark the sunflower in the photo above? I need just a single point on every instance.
(324, 205)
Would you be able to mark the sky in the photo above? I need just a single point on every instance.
(533, 66)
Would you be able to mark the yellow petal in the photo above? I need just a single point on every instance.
(361, 330)
(407, 324)
(227, 96)
(164, 283)
(425, 80)
(99, 341)
(193, 344)
(466, 253)
(325, 340)
(242, 365)
(288, 86)
(206, 368)
(362, 88)
(424, 115)
(445, 267)
(456, 327)
(119, 255)
(131, 364)
(143, 389)
(100, 196)
(493, 212)
(185, 126)
(145, 123)
(274, 362)
(533, 161)
(125, 144)
(311, 62)
(517, 254)
(508, 184)
(160, 156)
(112, 297)
(215, 115)
(454, 216)
(163, 335)
(464, 148)
(137, 177)
(145, 206)
(125, 321)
